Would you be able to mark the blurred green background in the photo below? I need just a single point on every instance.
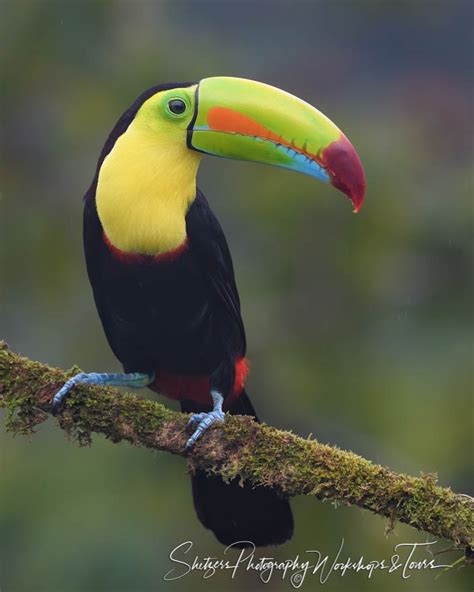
(359, 327)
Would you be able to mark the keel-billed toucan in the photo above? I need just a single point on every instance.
(161, 270)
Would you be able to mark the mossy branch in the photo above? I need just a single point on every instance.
(243, 448)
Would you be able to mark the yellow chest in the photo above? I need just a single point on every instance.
(145, 187)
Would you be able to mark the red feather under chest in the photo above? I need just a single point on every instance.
(196, 388)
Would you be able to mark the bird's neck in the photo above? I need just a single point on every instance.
(144, 189)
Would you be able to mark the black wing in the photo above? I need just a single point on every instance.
(94, 255)
(208, 242)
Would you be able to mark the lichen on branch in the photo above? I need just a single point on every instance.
(240, 448)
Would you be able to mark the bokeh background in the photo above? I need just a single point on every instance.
(359, 327)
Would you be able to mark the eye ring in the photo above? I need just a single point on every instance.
(176, 106)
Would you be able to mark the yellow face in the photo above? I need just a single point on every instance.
(148, 180)
(169, 114)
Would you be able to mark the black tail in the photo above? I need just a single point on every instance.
(235, 513)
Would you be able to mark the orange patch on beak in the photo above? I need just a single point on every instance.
(222, 119)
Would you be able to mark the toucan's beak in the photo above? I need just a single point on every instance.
(247, 120)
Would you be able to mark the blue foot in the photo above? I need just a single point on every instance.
(204, 420)
(134, 380)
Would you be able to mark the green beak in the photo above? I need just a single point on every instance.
(247, 120)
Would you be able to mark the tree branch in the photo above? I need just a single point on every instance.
(243, 448)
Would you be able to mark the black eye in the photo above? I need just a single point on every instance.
(177, 106)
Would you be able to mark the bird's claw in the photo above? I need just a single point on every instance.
(133, 379)
(203, 421)
(63, 391)
(195, 419)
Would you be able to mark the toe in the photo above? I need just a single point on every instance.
(58, 398)
(204, 421)
(55, 407)
(194, 419)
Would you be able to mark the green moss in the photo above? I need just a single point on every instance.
(240, 449)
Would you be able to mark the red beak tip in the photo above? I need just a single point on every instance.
(357, 202)
(345, 167)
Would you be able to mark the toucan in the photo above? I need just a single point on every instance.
(162, 273)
